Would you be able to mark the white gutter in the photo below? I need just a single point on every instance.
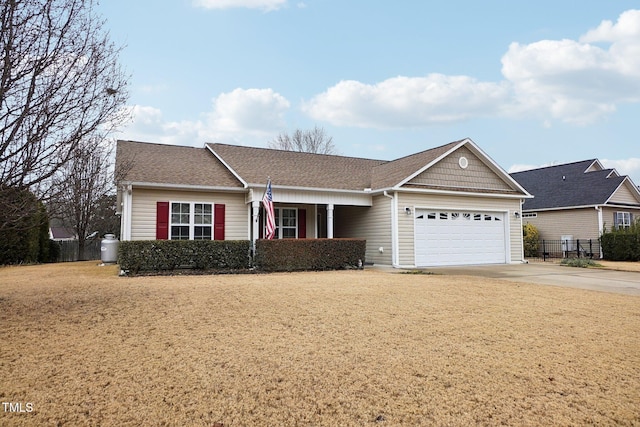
(455, 193)
(188, 187)
(394, 228)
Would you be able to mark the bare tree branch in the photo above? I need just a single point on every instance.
(60, 88)
(60, 84)
(314, 140)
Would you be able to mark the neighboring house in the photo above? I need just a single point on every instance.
(578, 200)
(62, 233)
(450, 205)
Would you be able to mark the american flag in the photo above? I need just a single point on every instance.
(267, 201)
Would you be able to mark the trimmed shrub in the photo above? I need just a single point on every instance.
(531, 240)
(309, 254)
(622, 244)
(158, 256)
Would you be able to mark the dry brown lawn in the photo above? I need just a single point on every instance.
(620, 265)
(350, 348)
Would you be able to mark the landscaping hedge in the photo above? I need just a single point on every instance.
(309, 254)
(621, 245)
(168, 255)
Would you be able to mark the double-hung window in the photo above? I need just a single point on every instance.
(622, 219)
(286, 223)
(191, 221)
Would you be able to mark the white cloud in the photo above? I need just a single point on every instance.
(238, 117)
(266, 5)
(626, 28)
(630, 166)
(574, 81)
(407, 101)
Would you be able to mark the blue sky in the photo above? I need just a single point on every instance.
(532, 83)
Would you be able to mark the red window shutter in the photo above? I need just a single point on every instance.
(162, 220)
(218, 222)
(302, 223)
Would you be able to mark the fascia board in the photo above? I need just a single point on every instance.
(483, 156)
(458, 193)
(433, 162)
(186, 187)
(226, 165)
(626, 181)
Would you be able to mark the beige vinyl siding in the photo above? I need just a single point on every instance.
(448, 173)
(416, 200)
(608, 219)
(579, 223)
(624, 195)
(143, 211)
(370, 223)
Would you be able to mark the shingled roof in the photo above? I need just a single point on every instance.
(171, 164)
(296, 169)
(568, 185)
(233, 166)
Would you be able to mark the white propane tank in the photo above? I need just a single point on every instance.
(109, 249)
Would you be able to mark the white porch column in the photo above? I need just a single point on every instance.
(330, 221)
(125, 220)
(255, 230)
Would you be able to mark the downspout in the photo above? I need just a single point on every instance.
(600, 228)
(394, 228)
(522, 259)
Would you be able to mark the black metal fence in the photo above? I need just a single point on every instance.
(558, 249)
(70, 250)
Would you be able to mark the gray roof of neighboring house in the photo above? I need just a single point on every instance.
(567, 185)
(62, 233)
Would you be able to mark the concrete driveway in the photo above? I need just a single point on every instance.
(622, 282)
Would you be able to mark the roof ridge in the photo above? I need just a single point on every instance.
(557, 166)
(212, 144)
(428, 149)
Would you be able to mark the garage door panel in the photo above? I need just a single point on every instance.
(444, 237)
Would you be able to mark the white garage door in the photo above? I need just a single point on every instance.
(450, 237)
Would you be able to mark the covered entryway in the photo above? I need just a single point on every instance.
(456, 237)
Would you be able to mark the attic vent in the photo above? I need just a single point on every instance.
(463, 162)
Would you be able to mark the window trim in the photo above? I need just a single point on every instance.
(278, 214)
(626, 219)
(192, 214)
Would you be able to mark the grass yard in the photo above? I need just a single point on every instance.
(351, 348)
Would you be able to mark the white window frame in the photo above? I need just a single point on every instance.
(530, 215)
(280, 227)
(625, 222)
(192, 219)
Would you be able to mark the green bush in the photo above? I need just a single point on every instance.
(622, 244)
(24, 227)
(309, 254)
(579, 262)
(531, 240)
(158, 256)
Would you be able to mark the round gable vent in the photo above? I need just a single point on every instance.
(463, 162)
